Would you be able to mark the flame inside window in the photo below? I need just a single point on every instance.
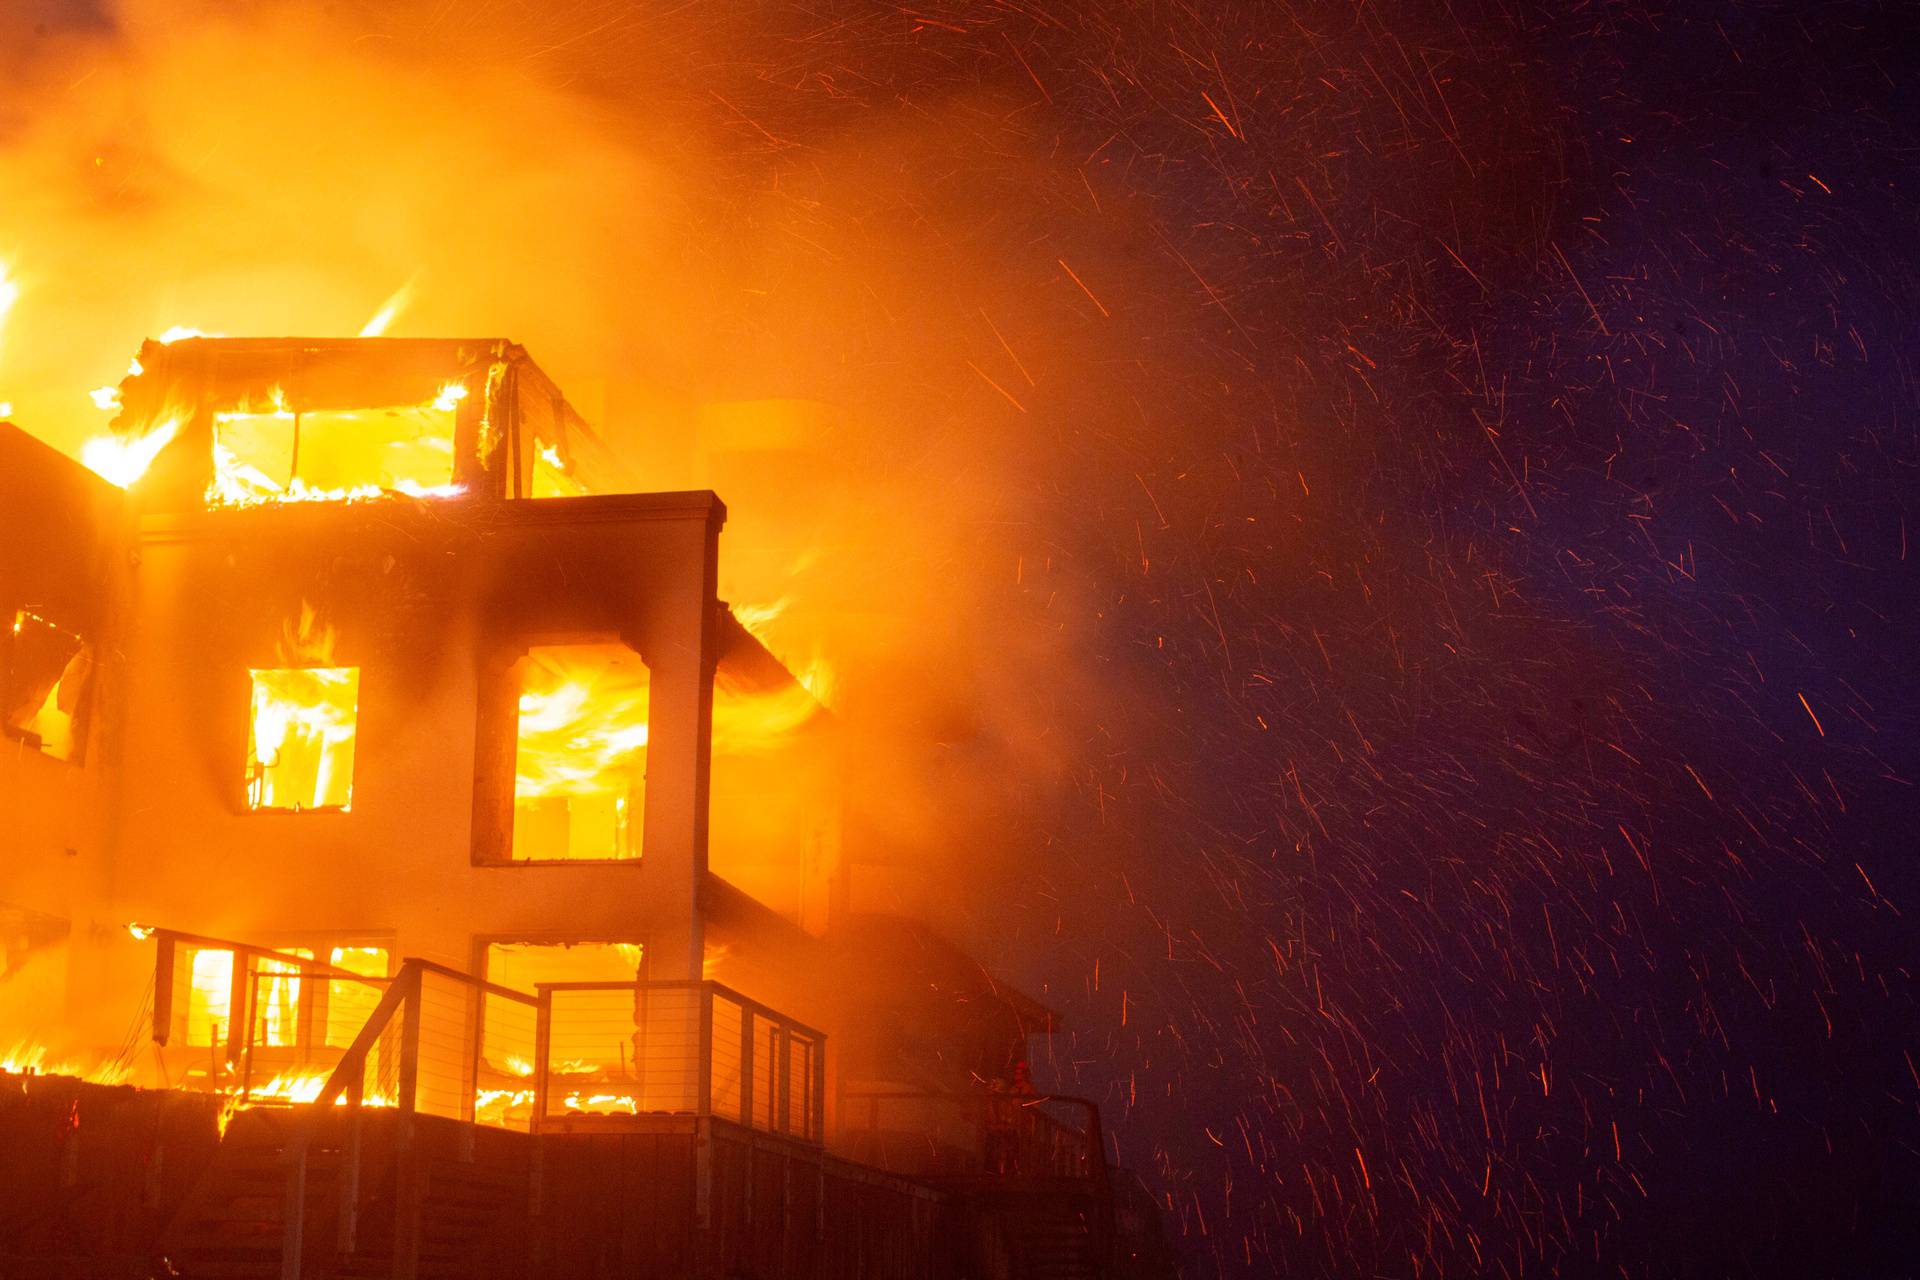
(581, 756)
(300, 749)
(521, 965)
(209, 996)
(276, 999)
(279, 452)
(350, 1004)
(42, 682)
(593, 1054)
(553, 475)
(213, 976)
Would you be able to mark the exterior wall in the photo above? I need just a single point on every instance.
(775, 824)
(58, 524)
(421, 597)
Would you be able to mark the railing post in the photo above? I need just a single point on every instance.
(542, 1046)
(783, 1042)
(477, 1025)
(347, 1236)
(746, 1065)
(163, 960)
(410, 1039)
(705, 997)
(819, 1059)
(407, 1173)
(251, 985)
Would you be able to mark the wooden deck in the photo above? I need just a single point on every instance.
(100, 1181)
(89, 1174)
(681, 1196)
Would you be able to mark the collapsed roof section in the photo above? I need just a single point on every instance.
(247, 421)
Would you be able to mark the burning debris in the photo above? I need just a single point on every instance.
(1428, 487)
(256, 421)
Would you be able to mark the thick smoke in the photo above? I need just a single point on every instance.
(677, 252)
(1367, 547)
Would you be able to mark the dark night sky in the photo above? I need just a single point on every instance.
(1537, 444)
(1475, 465)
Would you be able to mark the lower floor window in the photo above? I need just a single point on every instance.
(288, 1008)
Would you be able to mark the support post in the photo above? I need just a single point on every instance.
(163, 961)
(347, 1236)
(542, 1050)
(407, 1172)
(251, 985)
(293, 1221)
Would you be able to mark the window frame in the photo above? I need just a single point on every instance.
(310, 1006)
(247, 771)
(496, 749)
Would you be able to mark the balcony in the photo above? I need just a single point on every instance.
(278, 1028)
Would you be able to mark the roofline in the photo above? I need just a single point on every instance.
(478, 511)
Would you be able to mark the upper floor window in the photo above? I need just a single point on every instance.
(301, 736)
(580, 753)
(277, 452)
(43, 685)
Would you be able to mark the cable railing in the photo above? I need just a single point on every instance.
(258, 1024)
(269, 1027)
(996, 1132)
(987, 1138)
(284, 1028)
(606, 1050)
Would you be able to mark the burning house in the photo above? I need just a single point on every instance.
(413, 866)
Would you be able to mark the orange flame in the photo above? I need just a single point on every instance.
(582, 746)
(305, 717)
(122, 460)
(389, 311)
(280, 453)
(29, 1058)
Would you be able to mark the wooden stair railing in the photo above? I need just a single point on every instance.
(349, 1081)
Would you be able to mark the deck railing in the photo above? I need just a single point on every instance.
(990, 1138)
(254, 1022)
(610, 1049)
(286, 1028)
(434, 1041)
(993, 1132)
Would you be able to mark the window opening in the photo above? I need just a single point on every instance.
(507, 1039)
(43, 684)
(277, 451)
(301, 738)
(350, 1004)
(209, 996)
(580, 755)
(277, 1000)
